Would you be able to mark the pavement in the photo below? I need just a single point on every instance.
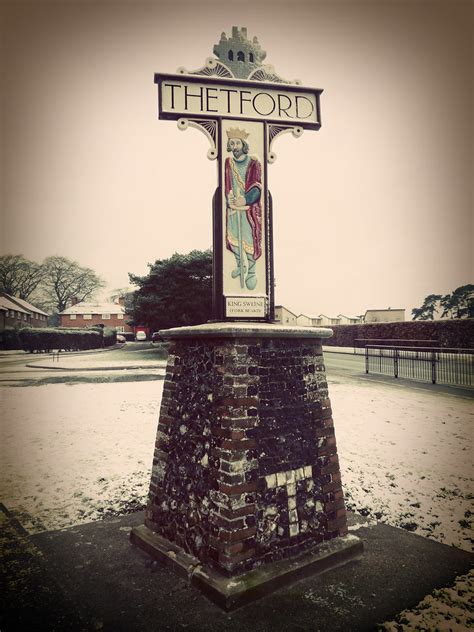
(69, 363)
(90, 577)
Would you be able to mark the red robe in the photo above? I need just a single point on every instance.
(253, 178)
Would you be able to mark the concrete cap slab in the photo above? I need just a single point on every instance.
(245, 330)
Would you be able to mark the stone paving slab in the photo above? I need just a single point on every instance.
(108, 584)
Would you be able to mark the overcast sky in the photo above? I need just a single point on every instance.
(373, 210)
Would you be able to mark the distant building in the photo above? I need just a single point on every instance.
(3, 311)
(310, 321)
(89, 314)
(384, 315)
(284, 316)
(349, 320)
(326, 321)
(20, 313)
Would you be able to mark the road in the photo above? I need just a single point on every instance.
(13, 369)
(344, 363)
(336, 363)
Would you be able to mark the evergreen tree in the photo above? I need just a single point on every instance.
(176, 292)
(428, 309)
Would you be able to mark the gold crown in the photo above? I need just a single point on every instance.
(235, 132)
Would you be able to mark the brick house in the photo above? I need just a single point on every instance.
(20, 313)
(89, 314)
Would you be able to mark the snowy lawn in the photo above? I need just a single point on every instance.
(73, 454)
(406, 457)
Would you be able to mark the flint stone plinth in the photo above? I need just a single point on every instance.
(246, 491)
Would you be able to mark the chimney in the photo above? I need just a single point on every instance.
(74, 301)
(121, 300)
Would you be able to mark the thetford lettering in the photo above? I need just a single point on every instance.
(186, 98)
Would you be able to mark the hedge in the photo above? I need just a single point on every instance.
(445, 333)
(47, 339)
(10, 339)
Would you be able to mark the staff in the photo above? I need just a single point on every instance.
(239, 210)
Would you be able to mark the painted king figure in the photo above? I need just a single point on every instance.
(243, 188)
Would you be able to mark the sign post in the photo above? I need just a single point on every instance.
(245, 492)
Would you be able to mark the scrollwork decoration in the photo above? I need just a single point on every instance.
(212, 68)
(208, 127)
(277, 130)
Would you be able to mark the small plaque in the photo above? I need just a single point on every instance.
(245, 306)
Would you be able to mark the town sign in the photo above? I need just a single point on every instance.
(241, 106)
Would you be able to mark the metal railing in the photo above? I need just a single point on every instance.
(361, 343)
(438, 365)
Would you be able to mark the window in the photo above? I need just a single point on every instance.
(18, 315)
(251, 57)
(230, 55)
(72, 316)
(87, 316)
(120, 316)
(120, 330)
(240, 56)
(25, 316)
(105, 316)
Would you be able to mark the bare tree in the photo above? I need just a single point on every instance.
(65, 279)
(18, 276)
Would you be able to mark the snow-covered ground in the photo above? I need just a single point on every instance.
(74, 454)
(406, 457)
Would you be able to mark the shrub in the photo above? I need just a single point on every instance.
(110, 336)
(10, 339)
(47, 339)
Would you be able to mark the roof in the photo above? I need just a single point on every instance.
(8, 304)
(26, 305)
(305, 316)
(390, 309)
(94, 308)
(286, 309)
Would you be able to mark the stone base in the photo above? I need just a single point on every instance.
(245, 478)
(232, 592)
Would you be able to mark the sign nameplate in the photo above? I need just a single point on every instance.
(245, 306)
(217, 98)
